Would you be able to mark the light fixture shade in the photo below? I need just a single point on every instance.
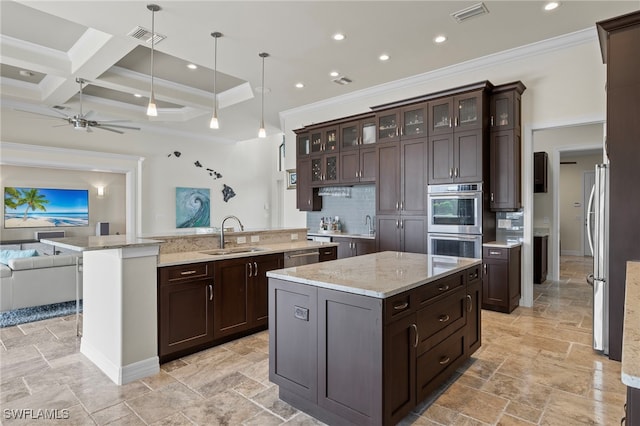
(213, 124)
(262, 133)
(152, 110)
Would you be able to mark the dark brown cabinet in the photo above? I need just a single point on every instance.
(357, 133)
(474, 298)
(185, 308)
(358, 165)
(632, 407)
(340, 354)
(324, 140)
(240, 295)
(401, 233)
(501, 278)
(307, 198)
(540, 258)
(325, 169)
(540, 160)
(303, 144)
(505, 147)
(408, 122)
(350, 246)
(619, 41)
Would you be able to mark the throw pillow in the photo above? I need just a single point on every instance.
(5, 255)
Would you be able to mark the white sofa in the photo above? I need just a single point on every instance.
(39, 280)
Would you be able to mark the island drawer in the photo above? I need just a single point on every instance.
(438, 321)
(398, 305)
(495, 253)
(473, 274)
(442, 286)
(439, 361)
(186, 272)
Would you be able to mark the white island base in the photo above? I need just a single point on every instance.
(119, 329)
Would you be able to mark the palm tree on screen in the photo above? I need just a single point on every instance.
(33, 199)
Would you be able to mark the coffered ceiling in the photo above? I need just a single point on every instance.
(46, 45)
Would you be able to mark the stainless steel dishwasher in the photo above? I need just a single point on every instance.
(301, 257)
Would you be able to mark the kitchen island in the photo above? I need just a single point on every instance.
(364, 340)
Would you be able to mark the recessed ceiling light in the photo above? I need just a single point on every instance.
(137, 95)
(334, 73)
(192, 66)
(26, 73)
(440, 39)
(338, 37)
(551, 5)
(299, 85)
(384, 57)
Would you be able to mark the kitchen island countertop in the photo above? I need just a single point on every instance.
(378, 275)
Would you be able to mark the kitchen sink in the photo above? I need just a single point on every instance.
(234, 250)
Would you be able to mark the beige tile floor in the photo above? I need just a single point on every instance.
(535, 366)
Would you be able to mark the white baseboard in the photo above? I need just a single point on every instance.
(120, 375)
(571, 253)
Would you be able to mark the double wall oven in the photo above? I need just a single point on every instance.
(455, 220)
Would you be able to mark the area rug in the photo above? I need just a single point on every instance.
(37, 313)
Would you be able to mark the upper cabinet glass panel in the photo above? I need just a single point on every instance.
(467, 112)
(331, 140)
(316, 142)
(304, 145)
(368, 132)
(388, 126)
(414, 122)
(440, 116)
(349, 135)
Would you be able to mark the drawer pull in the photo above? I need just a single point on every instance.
(443, 287)
(210, 292)
(473, 275)
(495, 253)
(187, 272)
(445, 360)
(417, 339)
(401, 306)
(443, 318)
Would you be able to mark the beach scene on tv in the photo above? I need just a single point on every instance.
(45, 207)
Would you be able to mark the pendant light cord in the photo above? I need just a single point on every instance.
(153, 37)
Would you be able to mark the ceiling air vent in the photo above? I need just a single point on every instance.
(468, 13)
(144, 34)
(60, 107)
(342, 80)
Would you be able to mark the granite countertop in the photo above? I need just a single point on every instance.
(341, 234)
(183, 258)
(378, 275)
(105, 242)
(631, 331)
(502, 244)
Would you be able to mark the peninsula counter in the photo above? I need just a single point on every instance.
(364, 340)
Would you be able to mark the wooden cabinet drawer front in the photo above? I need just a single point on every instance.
(438, 363)
(473, 274)
(396, 306)
(327, 253)
(495, 253)
(429, 291)
(187, 272)
(436, 322)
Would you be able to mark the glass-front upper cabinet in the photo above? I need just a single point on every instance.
(505, 106)
(414, 121)
(356, 133)
(468, 109)
(388, 123)
(331, 140)
(440, 116)
(316, 141)
(303, 144)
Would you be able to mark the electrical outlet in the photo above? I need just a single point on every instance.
(294, 237)
(241, 240)
(255, 238)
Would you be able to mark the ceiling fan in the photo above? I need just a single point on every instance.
(84, 122)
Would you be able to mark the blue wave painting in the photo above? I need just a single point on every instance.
(193, 207)
(45, 207)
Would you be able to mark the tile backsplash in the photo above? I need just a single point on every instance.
(351, 210)
(510, 226)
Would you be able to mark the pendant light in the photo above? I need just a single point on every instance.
(214, 118)
(262, 133)
(152, 111)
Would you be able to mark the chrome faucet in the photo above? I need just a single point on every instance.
(222, 228)
(368, 220)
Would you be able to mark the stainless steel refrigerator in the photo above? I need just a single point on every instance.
(598, 234)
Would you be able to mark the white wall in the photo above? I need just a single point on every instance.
(110, 208)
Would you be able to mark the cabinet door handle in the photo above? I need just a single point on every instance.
(397, 205)
(255, 266)
(397, 224)
(492, 121)
(457, 122)
(450, 172)
(469, 303)
(401, 131)
(417, 338)
(450, 123)
(456, 172)
(485, 268)
(492, 197)
(400, 306)
(210, 292)
(443, 318)
(397, 131)
(308, 202)
(443, 287)
(187, 272)
(444, 360)
(250, 269)
(402, 224)
(401, 205)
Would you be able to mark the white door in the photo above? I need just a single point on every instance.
(588, 180)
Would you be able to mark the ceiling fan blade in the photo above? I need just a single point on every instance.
(111, 130)
(115, 125)
(61, 125)
(89, 114)
(43, 115)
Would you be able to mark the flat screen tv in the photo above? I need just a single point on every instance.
(45, 207)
